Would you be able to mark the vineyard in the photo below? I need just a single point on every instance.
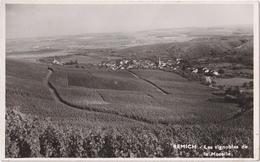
(114, 121)
(29, 136)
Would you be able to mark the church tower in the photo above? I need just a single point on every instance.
(160, 63)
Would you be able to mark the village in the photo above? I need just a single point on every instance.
(172, 65)
(177, 65)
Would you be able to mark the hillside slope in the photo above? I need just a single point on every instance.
(236, 48)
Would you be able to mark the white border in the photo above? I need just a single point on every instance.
(2, 79)
(256, 75)
(130, 1)
(256, 81)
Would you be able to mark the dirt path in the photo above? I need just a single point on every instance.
(149, 82)
(57, 97)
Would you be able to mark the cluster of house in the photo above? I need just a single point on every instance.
(137, 64)
(161, 64)
(208, 74)
(205, 71)
(166, 63)
(129, 64)
(170, 64)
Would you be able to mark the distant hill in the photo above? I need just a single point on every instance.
(216, 48)
(120, 40)
(232, 44)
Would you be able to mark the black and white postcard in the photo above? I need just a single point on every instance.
(130, 79)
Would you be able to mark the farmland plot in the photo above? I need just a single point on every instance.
(107, 80)
(188, 102)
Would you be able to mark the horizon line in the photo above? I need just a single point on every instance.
(128, 32)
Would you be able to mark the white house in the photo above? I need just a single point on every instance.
(215, 73)
(195, 71)
(56, 62)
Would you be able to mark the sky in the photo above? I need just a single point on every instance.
(28, 20)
